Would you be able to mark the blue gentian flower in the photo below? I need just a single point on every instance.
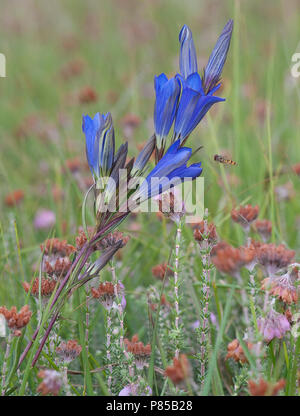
(193, 105)
(167, 94)
(100, 143)
(188, 58)
(197, 94)
(216, 61)
(171, 169)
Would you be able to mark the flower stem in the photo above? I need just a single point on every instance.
(4, 368)
(176, 286)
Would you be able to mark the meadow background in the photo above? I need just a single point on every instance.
(71, 57)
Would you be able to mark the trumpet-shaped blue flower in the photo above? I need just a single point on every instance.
(100, 143)
(197, 94)
(170, 170)
(216, 61)
(167, 94)
(193, 106)
(188, 58)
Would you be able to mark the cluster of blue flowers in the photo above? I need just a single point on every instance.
(182, 102)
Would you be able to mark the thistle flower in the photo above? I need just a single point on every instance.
(51, 384)
(16, 320)
(68, 351)
(245, 215)
(283, 286)
(274, 325)
(235, 351)
(140, 351)
(180, 371)
(264, 229)
(265, 388)
(274, 258)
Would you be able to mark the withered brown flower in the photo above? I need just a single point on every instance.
(265, 388)
(245, 215)
(140, 351)
(180, 371)
(16, 320)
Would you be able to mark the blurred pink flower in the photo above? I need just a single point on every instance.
(274, 325)
(44, 219)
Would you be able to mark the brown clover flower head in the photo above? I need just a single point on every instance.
(51, 384)
(81, 238)
(265, 388)
(106, 293)
(282, 286)
(140, 351)
(16, 320)
(199, 233)
(296, 169)
(235, 351)
(47, 287)
(160, 270)
(245, 215)
(14, 198)
(264, 229)
(274, 258)
(68, 351)
(274, 325)
(229, 260)
(57, 268)
(56, 246)
(87, 95)
(112, 239)
(180, 371)
(171, 205)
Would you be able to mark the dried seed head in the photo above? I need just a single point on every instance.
(245, 215)
(16, 320)
(264, 229)
(282, 286)
(265, 388)
(229, 260)
(58, 268)
(56, 246)
(68, 351)
(274, 258)
(199, 233)
(140, 351)
(51, 384)
(106, 293)
(112, 239)
(180, 371)
(235, 351)
(47, 287)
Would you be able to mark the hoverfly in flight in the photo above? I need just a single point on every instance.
(222, 159)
